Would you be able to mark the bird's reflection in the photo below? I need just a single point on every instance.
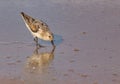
(39, 61)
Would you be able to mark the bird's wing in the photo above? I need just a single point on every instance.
(34, 25)
(29, 22)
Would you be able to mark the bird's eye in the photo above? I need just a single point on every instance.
(49, 36)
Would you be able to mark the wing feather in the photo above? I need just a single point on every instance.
(34, 25)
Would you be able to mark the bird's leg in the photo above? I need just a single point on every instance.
(37, 44)
(52, 42)
(36, 41)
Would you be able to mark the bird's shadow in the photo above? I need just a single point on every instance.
(57, 40)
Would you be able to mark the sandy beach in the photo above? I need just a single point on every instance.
(87, 39)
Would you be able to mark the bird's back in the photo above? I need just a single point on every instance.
(33, 24)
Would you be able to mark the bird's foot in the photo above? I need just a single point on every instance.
(39, 46)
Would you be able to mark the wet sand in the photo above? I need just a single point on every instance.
(86, 37)
(10, 81)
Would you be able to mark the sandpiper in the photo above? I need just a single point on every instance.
(38, 29)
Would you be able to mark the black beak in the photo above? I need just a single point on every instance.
(52, 42)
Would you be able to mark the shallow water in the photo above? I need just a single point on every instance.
(86, 34)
